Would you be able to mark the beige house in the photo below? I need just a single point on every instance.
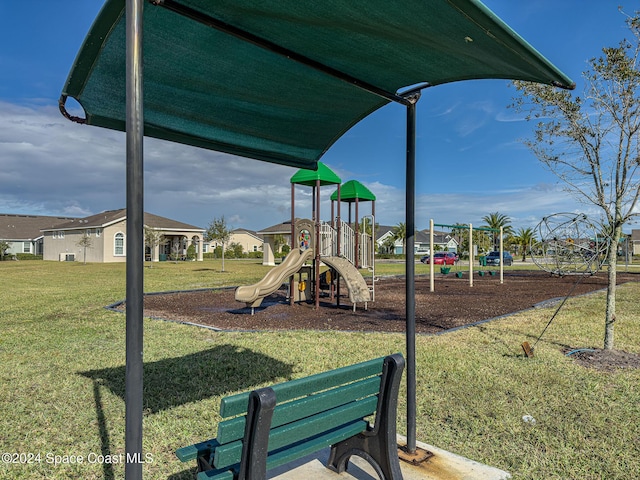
(106, 235)
(270, 235)
(249, 240)
(635, 242)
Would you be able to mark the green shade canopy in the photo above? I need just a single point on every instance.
(324, 174)
(353, 190)
(281, 81)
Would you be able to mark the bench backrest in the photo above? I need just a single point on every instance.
(321, 410)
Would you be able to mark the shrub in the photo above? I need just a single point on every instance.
(25, 256)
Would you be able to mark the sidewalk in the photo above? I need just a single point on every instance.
(442, 466)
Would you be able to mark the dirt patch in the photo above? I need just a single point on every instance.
(606, 360)
(454, 304)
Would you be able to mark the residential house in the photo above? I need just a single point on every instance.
(635, 242)
(441, 241)
(274, 238)
(23, 232)
(107, 233)
(249, 240)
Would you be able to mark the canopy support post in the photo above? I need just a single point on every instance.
(134, 243)
(410, 287)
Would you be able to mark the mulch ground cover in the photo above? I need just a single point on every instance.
(452, 305)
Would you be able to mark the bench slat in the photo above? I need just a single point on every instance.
(229, 454)
(298, 450)
(313, 445)
(233, 429)
(237, 404)
(215, 475)
(192, 452)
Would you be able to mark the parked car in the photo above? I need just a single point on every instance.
(441, 258)
(493, 258)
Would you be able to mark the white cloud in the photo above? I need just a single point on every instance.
(54, 167)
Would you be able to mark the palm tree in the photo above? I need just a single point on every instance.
(523, 239)
(400, 233)
(496, 220)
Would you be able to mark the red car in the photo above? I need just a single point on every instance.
(441, 258)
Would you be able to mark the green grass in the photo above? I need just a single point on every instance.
(62, 358)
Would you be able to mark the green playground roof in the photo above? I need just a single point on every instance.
(310, 177)
(282, 81)
(353, 190)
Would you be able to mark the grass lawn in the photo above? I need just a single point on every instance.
(62, 370)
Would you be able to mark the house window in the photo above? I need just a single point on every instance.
(87, 232)
(98, 232)
(60, 234)
(118, 244)
(26, 247)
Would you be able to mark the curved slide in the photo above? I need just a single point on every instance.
(252, 295)
(356, 284)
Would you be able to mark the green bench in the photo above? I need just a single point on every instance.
(269, 427)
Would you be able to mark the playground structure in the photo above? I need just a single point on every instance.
(569, 244)
(314, 243)
(472, 252)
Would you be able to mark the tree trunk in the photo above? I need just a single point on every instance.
(610, 313)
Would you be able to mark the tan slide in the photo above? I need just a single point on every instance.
(356, 284)
(252, 295)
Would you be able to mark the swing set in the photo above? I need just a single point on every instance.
(472, 252)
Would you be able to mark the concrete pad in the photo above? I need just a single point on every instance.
(442, 465)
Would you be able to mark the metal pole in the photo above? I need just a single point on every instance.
(471, 255)
(501, 255)
(135, 242)
(293, 241)
(339, 250)
(410, 287)
(432, 282)
(316, 266)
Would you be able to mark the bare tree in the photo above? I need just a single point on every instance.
(4, 246)
(592, 143)
(218, 231)
(85, 242)
(152, 238)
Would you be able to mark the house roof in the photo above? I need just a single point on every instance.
(422, 236)
(109, 217)
(283, 228)
(27, 227)
(383, 230)
(248, 232)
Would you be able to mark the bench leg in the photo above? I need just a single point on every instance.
(378, 445)
(253, 465)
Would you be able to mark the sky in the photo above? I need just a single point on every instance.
(470, 157)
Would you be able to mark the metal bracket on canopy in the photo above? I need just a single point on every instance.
(63, 110)
(413, 94)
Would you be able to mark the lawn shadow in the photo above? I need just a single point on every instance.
(176, 381)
